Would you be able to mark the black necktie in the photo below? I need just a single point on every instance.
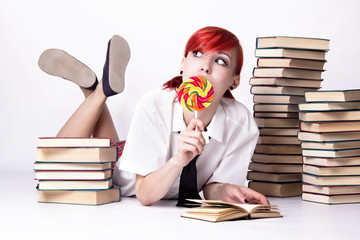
(188, 185)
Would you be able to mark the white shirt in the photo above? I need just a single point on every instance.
(153, 138)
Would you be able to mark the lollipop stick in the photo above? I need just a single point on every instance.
(196, 117)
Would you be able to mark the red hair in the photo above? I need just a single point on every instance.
(210, 39)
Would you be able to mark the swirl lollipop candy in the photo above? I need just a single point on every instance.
(195, 94)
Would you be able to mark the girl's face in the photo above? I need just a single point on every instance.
(216, 67)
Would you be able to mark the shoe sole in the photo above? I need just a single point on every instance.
(119, 56)
(59, 63)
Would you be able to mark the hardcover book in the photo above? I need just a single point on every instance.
(274, 158)
(291, 63)
(87, 197)
(332, 171)
(329, 116)
(72, 175)
(75, 185)
(330, 180)
(290, 53)
(317, 161)
(276, 108)
(352, 95)
(329, 106)
(77, 154)
(273, 90)
(287, 73)
(331, 199)
(286, 189)
(286, 82)
(278, 149)
(274, 177)
(328, 127)
(331, 190)
(275, 168)
(73, 142)
(277, 123)
(293, 42)
(329, 137)
(278, 99)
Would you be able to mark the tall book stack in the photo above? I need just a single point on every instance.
(330, 142)
(287, 67)
(76, 171)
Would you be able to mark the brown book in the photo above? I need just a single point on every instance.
(331, 180)
(278, 131)
(87, 197)
(276, 115)
(274, 90)
(286, 82)
(286, 140)
(348, 161)
(328, 137)
(76, 154)
(274, 177)
(330, 116)
(331, 190)
(292, 42)
(278, 99)
(276, 108)
(290, 53)
(333, 96)
(332, 199)
(278, 149)
(329, 106)
(291, 63)
(277, 123)
(217, 211)
(331, 171)
(274, 158)
(327, 127)
(289, 189)
(287, 73)
(275, 168)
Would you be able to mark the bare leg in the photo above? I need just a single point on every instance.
(92, 118)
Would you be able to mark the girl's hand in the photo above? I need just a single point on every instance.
(191, 142)
(238, 194)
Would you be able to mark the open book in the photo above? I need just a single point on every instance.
(217, 211)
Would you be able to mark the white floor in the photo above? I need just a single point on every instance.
(22, 217)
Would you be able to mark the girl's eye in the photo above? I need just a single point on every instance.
(197, 54)
(221, 62)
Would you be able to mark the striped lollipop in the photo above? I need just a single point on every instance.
(195, 94)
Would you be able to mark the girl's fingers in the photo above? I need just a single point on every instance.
(196, 123)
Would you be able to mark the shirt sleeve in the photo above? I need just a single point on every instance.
(233, 167)
(145, 149)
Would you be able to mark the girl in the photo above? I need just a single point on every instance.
(164, 138)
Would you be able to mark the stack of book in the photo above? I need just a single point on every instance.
(76, 171)
(287, 67)
(330, 142)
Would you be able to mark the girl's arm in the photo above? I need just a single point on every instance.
(154, 186)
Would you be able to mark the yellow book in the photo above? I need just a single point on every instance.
(217, 211)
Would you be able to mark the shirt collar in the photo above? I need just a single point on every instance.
(215, 128)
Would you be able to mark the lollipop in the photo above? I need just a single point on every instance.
(195, 94)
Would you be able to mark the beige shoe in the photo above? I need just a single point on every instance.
(59, 63)
(117, 58)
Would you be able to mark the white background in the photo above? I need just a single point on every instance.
(34, 104)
